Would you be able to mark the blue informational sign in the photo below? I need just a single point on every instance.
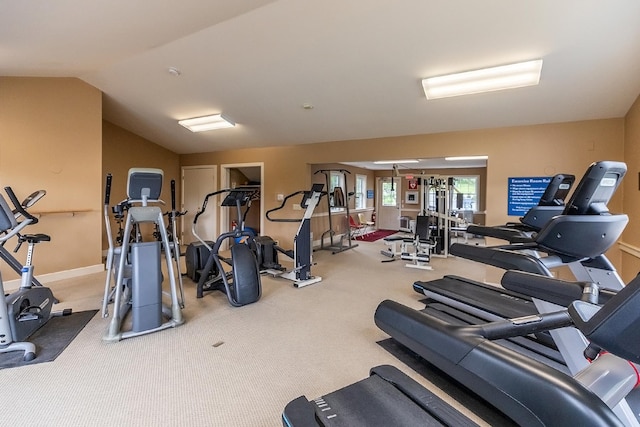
(369, 194)
(524, 193)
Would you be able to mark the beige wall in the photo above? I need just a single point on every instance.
(282, 175)
(51, 139)
(631, 190)
(540, 150)
(122, 150)
(69, 149)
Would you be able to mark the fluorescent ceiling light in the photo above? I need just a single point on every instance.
(484, 80)
(390, 162)
(453, 159)
(201, 124)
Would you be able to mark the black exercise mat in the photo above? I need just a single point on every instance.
(50, 340)
(438, 378)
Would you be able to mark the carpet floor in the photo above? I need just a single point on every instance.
(375, 235)
(226, 365)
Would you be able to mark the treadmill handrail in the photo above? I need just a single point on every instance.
(501, 258)
(560, 292)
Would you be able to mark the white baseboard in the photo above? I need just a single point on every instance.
(59, 275)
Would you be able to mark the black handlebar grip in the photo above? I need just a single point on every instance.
(204, 206)
(173, 195)
(206, 200)
(107, 190)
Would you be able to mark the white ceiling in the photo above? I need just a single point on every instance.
(358, 62)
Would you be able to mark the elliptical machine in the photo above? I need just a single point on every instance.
(242, 284)
(27, 309)
(267, 250)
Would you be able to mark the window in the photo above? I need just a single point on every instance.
(361, 191)
(389, 194)
(437, 194)
(337, 198)
(337, 180)
(465, 194)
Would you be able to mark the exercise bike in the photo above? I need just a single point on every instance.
(267, 250)
(27, 309)
(6, 256)
(242, 283)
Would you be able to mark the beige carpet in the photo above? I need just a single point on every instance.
(225, 365)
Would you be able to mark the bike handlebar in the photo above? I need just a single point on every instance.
(306, 194)
(282, 205)
(18, 206)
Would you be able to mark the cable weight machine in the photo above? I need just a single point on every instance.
(438, 190)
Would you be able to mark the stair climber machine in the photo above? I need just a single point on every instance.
(134, 281)
(204, 261)
(27, 309)
(302, 254)
(528, 392)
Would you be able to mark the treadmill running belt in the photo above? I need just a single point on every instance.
(346, 407)
(387, 397)
(491, 299)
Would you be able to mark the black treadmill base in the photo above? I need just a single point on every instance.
(387, 397)
(441, 380)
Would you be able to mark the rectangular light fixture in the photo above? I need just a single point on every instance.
(484, 80)
(459, 158)
(201, 124)
(391, 162)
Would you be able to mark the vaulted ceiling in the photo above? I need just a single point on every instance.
(357, 63)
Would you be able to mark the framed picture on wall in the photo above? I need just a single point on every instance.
(411, 197)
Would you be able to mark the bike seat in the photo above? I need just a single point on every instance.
(35, 238)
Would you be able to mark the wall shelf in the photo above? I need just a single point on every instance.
(71, 212)
(630, 249)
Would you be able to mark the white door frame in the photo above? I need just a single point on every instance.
(182, 192)
(398, 187)
(225, 183)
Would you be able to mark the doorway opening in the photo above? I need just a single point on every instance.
(239, 174)
(388, 203)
